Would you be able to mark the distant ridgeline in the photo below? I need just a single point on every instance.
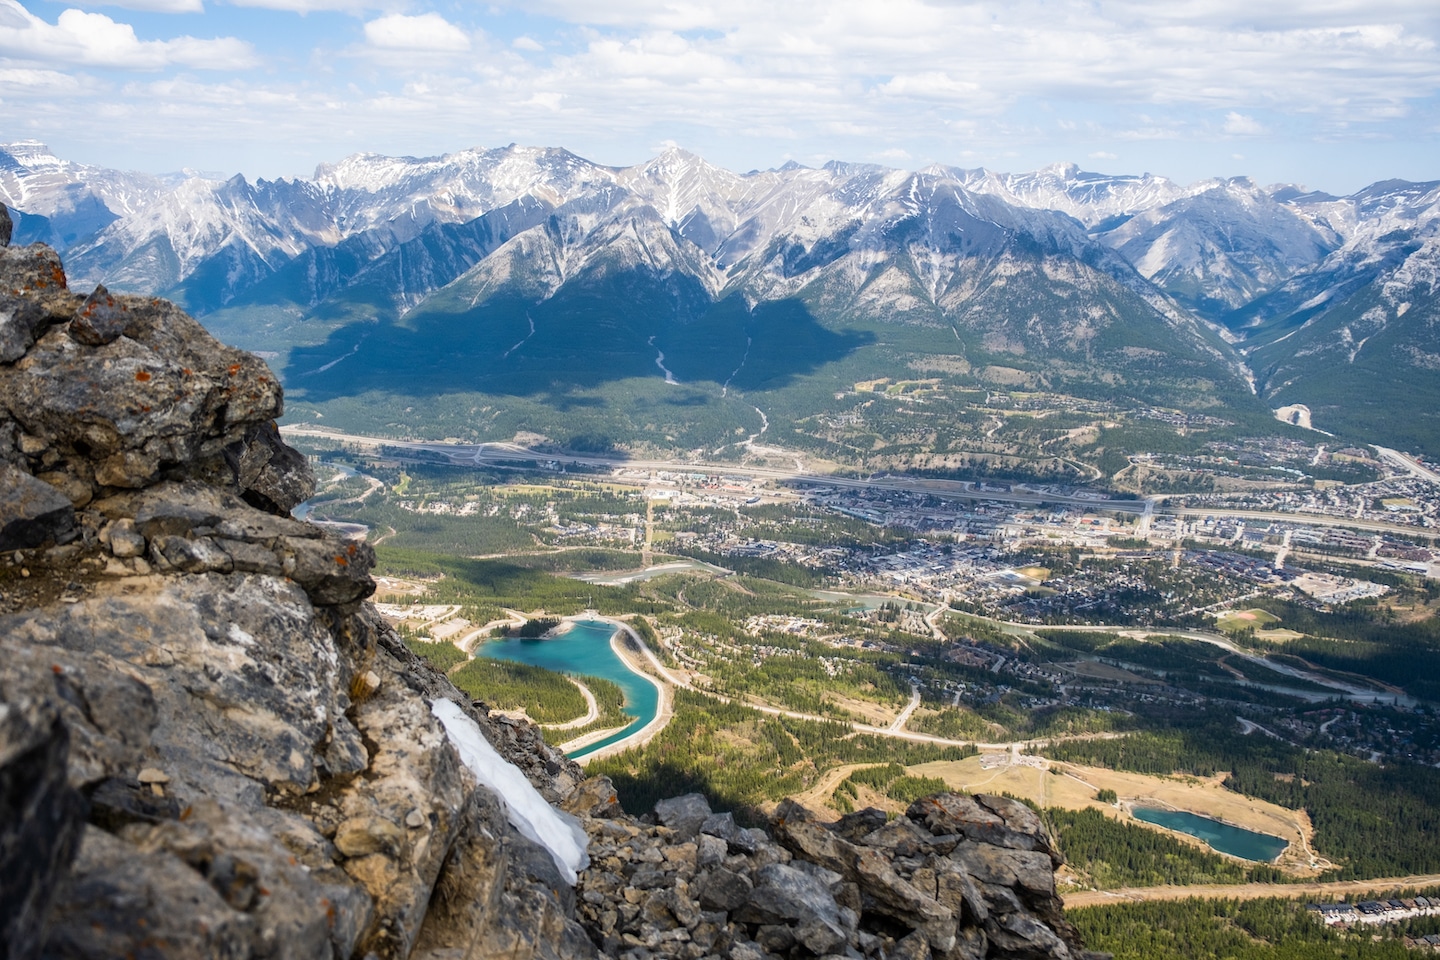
(870, 313)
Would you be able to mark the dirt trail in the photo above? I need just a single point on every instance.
(1334, 890)
(819, 795)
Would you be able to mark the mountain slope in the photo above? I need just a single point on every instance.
(1213, 246)
(1355, 337)
(536, 273)
(60, 202)
(605, 322)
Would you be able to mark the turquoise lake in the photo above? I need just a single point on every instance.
(585, 649)
(1246, 844)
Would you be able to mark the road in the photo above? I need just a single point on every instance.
(1349, 691)
(1334, 890)
(1409, 464)
(592, 710)
(1306, 519)
(904, 717)
(655, 726)
(500, 453)
(486, 454)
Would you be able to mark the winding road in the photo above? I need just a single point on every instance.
(671, 681)
(592, 711)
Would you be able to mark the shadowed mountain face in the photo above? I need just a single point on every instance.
(614, 328)
(535, 273)
(1356, 337)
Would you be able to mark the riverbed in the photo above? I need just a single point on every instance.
(585, 649)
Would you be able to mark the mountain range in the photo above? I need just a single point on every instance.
(540, 276)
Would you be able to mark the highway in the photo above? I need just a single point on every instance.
(1409, 464)
(483, 454)
(1307, 519)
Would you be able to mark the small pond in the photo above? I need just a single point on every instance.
(1238, 842)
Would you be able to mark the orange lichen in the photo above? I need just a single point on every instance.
(142, 375)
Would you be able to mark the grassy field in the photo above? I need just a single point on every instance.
(1233, 621)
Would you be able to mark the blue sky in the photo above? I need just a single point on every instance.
(1331, 93)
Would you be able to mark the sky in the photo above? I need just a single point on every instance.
(1333, 94)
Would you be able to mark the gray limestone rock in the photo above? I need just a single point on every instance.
(21, 321)
(595, 797)
(164, 397)
(32, 513)
(709, 851)
(268, 472)
(331, 570)
(123, 539)
(41, 814)
(201, 555)
(723, 889)
(860, 824)
(256, 721)
(983, 818)
(108, 714)
(7, 226)
(869, 869)
(684, 814)
(723, 825)
(784, 893)
(118, 899)
(100, 319)
(33, 273)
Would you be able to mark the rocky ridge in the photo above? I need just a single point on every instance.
(211, 746)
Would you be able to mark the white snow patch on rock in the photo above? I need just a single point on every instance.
(526, 810)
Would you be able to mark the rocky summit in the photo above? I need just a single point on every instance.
(212, 746)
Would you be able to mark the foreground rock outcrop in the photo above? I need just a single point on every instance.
(956, 877)
(211, 746)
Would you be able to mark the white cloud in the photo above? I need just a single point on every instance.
(428, 31)
(17, 79)
(1103, 155)
(149, 6)
(748, 80)
(1216, 53)
(1239, 125)
(95, 40)
(545, 100)
(930, 85)
(356, 7)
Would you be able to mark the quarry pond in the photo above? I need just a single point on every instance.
(584, 649)
(1222, 837)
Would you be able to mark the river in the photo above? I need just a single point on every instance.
(585, 649)
(353, 531)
